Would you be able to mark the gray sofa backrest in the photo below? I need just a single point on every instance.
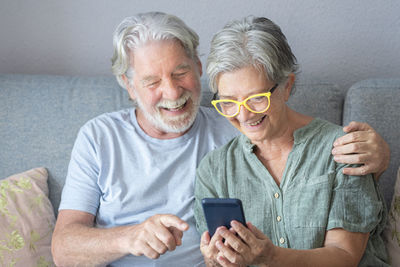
(41, 115)
(377, 101)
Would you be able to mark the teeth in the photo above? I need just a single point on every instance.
(175, 105)
(256, 122)
(177, 108)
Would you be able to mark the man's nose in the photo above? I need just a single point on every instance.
(171, 90)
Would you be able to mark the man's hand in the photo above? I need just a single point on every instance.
(76, 242)
(155, 236)
(362, 145)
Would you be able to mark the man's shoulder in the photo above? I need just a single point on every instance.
(212, 118)
(109, 119)
(217, 127)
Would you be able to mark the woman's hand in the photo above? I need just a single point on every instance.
(208, 248)
(243, 246)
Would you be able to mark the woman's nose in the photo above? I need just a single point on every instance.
(243, 114)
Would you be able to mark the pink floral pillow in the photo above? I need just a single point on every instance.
(26, 220)
(392, 231)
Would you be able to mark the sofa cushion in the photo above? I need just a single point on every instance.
(392, 231)
(377, 102)
(323, 100)
(26, 220)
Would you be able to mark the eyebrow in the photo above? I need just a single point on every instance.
(151, 78)
(183, 66)
(250, 94)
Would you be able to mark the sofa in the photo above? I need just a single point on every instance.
(40, 116)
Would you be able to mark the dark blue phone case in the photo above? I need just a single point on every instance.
(221, 211)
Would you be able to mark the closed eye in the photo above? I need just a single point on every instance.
(227, 104)
(151, 84)
(258, 99)
(180, 74)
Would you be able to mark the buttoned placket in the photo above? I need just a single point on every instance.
(280, 238)
(280, 233)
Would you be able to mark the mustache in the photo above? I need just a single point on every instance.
(175, 103)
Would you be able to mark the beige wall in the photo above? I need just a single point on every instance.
(336, 41)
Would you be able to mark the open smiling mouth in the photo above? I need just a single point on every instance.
(257, 122)
(175, 108)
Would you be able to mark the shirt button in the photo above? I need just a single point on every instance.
(281, 240)
(276, 195)
(278, 218)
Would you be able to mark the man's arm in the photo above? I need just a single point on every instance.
(362, 145)
(76, 242)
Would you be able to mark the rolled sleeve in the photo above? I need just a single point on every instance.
(356, 204)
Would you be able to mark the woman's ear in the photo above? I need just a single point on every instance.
(129, 87)
(289, 85)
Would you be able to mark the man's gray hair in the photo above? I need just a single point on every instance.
(252, 41)
(135, 31)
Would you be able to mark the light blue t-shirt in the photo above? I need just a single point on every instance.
(123, 176)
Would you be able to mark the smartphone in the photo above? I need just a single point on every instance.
(221, 211)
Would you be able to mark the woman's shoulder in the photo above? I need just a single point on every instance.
(319, 130)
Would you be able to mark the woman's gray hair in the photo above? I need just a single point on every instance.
(137, 30)
(252, 41)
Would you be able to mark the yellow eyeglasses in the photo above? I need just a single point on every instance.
(257, 103)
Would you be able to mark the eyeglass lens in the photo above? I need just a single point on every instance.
(255, 104)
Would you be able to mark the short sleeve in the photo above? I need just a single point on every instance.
(356, 203)
(81, 190)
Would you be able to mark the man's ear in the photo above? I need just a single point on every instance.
(198, 63)
(289, 85)
(128, 87)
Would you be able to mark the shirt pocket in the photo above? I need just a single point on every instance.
(307, 203)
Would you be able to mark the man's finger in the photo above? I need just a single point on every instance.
(177, 235)
(356, 126)
(149, 252)
(352, 148)
(359, 136)
(359, 171)
(166, 237)
(156, 244)
(169, 220)
(351, 159)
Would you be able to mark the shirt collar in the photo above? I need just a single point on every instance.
(300, 135)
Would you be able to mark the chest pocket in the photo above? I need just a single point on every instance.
(307, 204)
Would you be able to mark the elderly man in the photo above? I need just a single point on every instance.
(129, 190)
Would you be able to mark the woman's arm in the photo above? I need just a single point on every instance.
(252, 247)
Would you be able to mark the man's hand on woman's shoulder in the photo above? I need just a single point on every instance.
(362, 145)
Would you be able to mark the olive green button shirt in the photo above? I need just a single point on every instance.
(314, 195)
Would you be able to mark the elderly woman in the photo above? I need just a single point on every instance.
(300, 207)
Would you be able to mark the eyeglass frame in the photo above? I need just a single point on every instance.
(243, 103)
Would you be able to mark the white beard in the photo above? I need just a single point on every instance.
(176, 124)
